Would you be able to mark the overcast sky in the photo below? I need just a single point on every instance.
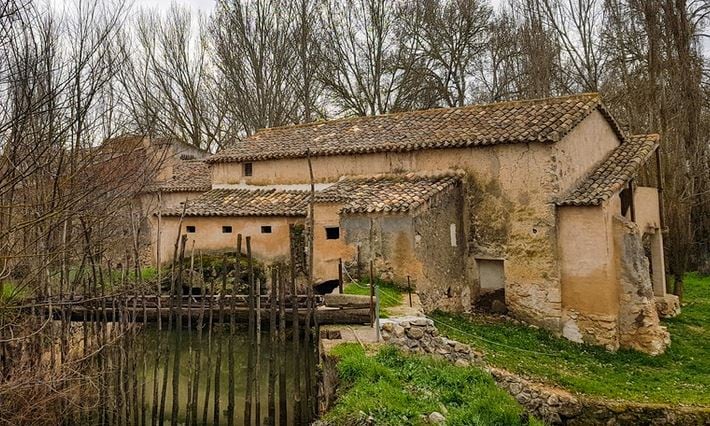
(203, 5)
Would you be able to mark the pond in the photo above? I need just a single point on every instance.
(190, 376)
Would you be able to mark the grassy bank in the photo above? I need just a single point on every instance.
(680, 376)
(390, 295)
(398, 389)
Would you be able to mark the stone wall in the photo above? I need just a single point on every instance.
(418, 335)
(639, 326)
(442, 284)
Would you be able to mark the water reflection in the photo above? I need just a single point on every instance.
(201, 377)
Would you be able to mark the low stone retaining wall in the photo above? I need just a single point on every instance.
(418, 335)
(552, 405)
(556, 406)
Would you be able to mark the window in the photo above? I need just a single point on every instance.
(227, 229)
(332, 233)
(266, 229)
(452, 233)
(248, 169)
(190, 229)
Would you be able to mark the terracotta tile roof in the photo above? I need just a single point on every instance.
(544, 120)
(188, 176)
(387, 193)
(614, 172)
(246, 202)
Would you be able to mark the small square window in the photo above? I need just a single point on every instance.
(266, 229)
(248, 169)
(227, 229)
(190, 229)
(332, 233)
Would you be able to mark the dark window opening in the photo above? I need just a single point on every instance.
(266, 229)
(625, 201)
(332, 233)
(227, 229)
(248, 169)
(190, 229)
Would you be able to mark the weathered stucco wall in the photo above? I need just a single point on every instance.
(590, 300)
(387, 240)
(582, 149)
(509, 214)
(209, 236)
(440, 248)
(646, 205)
(328, 252)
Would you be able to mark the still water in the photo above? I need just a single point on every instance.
(188, 376)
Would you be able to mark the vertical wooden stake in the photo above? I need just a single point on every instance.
(409, 290)
(372, 296)
(340, 275)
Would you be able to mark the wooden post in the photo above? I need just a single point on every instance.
(659, 186)
(631, 200)
(409, 290)
(340, 275)
(377, 312)
(372, 295)
(359, 272)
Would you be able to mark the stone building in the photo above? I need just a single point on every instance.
(531, 204)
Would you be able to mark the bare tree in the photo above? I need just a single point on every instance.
(255, 57)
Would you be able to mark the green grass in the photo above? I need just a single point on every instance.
(390, 295)
(397, 389)
(680, 376)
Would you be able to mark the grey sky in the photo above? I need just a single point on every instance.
(202, 5)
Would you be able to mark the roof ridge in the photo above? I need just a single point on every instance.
(501, 104)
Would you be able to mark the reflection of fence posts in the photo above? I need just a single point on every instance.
(296, 341)
(271, 416)
(250, 334)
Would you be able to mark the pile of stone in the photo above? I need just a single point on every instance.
(418, 335)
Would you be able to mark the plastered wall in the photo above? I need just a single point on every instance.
(210, 238)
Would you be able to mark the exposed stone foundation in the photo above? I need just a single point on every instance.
(418, 335)
(639, 326)
(667, 306)
(591, 329)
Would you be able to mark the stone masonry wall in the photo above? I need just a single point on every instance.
(418, 335)
(639, 326)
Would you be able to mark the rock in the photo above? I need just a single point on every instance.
(421, 322)
(553, 400)
(462, 348)
(415, 333)
(398, 331)
(388, 327)
(668, 306)
(515, 388)
(460, 362)
(498, 307)
(436, 418)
